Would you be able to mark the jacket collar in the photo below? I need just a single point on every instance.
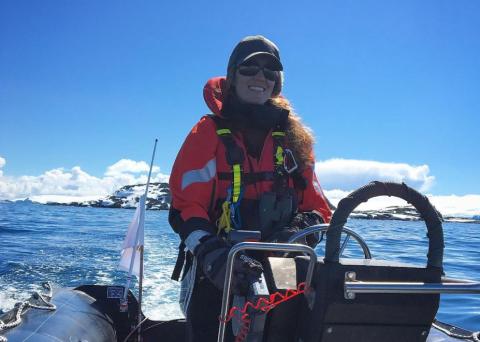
(214, 92)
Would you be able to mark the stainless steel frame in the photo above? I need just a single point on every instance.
(448, 285)
(260, 246)
(323, 228)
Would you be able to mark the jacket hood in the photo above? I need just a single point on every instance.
(214, 92)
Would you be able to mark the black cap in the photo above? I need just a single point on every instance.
(252, 46)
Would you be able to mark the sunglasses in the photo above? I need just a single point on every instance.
(252, 70)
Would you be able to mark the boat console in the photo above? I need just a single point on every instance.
(361, 300)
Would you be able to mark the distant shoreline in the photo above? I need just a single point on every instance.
(159, 198)
(406, 213)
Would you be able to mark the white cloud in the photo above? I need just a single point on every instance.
(339, 177)
(76, 184)
(350, 174)
(129, 166)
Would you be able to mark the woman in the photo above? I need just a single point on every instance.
(248, 166)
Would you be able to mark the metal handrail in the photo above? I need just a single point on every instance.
(447, 286)
(260, 246)
(323, 228)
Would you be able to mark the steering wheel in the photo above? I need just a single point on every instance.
(322, 228)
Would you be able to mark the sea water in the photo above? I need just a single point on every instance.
(70, 246)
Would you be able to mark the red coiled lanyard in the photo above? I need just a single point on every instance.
(262, 304)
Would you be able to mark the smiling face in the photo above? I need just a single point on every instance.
(254, 89)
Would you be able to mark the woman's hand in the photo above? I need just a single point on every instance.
(299, 222)
(212, 254)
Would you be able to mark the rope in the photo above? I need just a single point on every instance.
(224, 220)
(18, 319)
(22, 307)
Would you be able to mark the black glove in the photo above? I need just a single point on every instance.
(299, 222)
(212, 255)
(306, 219)
(283, 235)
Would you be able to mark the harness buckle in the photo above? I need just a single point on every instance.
(289, 162)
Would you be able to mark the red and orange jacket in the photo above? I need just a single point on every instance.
(198, 191)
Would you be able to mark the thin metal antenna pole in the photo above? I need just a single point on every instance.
(140, 292)
(140, 281)
(150, 172)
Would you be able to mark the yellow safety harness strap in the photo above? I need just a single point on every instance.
(235, 158)
(223, 131)
(237, 182)
(278, 134)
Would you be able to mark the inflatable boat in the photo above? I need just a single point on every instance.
(299, 298)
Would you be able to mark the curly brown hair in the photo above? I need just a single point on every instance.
(299, 137)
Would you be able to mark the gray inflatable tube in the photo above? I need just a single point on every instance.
(76, 319)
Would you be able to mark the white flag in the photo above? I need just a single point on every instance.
(133, 241)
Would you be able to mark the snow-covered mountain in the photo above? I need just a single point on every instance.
(158, 198)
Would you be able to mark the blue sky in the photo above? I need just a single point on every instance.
(87, 84)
